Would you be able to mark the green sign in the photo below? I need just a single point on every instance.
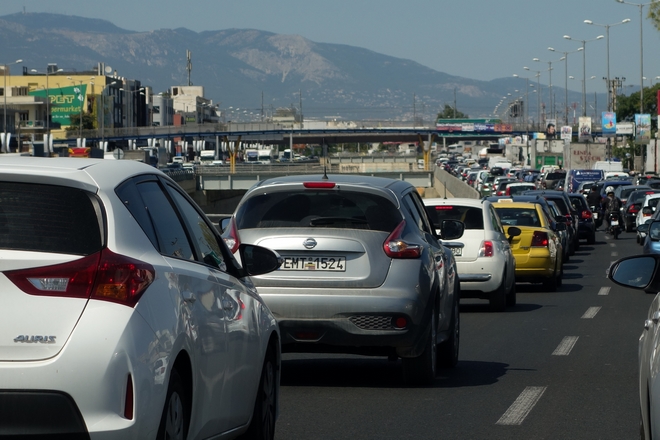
(64, 102)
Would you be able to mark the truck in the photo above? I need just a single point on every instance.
(607, 165)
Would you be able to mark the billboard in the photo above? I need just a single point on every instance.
(584, 133)
(64, 102)
(643, 126)
(609, 124)
(567, 132)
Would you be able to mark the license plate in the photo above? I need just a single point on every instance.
(457, 251)
(595, 215)
(331, 264)
(615, 223)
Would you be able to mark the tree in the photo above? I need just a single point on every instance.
(449, 113)
(87, 120)
(654, 14)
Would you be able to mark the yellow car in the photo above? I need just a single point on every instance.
(537, 249)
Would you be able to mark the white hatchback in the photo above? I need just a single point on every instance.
(124, 314)
(486, 265)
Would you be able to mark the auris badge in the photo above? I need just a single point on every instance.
(35, 339)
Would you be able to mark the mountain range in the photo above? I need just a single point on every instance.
(256, 70)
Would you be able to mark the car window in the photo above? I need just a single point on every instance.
(130, 197)
(561, 205)
(519, 216)
(48, 218)
(172, 238)
(472, 217)
(495, 220)
(409, 205)
(318, 209)
(205, 240)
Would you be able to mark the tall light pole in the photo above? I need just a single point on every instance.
(565, 58)
(538, 95)
(5, 144)
(47, 137)
(607, 35)
(641, 50)
(549, 82)
(584, 68)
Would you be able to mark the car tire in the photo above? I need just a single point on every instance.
(497, 298)
(511, 297)
(592, 238)
(550, 284)
(175, 419)
(420, 370)
(262, 426)
(448, 350)
(560, 277)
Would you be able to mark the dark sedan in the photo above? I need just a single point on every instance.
(586, 225)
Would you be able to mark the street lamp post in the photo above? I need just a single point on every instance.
(5, 144)
(584, 69)
(607, 34)
(538, 95)
(47, 137)
(550, 99)
(641, 50)
(565, 58)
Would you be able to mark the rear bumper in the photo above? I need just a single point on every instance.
(483, 275)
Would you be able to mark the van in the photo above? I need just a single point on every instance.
(575, 177)
(607, 165)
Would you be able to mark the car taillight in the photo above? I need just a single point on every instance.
(486, 249)
(632, 209)
(586, 215)
(104, 275)
(540, 239)
(508, 191)
(232, 240)
(395, 247)
(319, 185)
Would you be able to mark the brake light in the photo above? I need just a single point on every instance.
(486, 249)
(444, 208)
(104, 275)
(319, 185)
(508, 191)
(395, 247)
(232, 240)
(586, 215)
(540, 239)
(632, 209)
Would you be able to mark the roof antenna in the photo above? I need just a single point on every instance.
(325, 161)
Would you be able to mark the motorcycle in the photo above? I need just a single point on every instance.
(614, 225)
(597, 216)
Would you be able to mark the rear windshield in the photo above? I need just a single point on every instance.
(639, 196)
(561, 205)
(47, 218)
(472, 217)
(519, 217)
(519, 189)
(555, 176)
(318, 209)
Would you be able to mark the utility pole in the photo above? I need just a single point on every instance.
(189, 65)
(454, 102)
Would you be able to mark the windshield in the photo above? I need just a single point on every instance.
(519, 217)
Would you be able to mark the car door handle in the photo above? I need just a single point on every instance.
(188, 296)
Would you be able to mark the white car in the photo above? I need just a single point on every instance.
(486, 265)
(124, 314)
(642, 272)
(648, 207)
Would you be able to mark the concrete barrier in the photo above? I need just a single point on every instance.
(455, 187)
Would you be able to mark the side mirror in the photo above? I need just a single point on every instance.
(644, 228)
(223, 223)
(451, 229)
(560, 226)
(513, 231)
(637, 272)
(258, 260)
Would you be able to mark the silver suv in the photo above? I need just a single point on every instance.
(364, 271)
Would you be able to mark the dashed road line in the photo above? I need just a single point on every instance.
(590, 313)
(604, 291)
(615, 254)
(612, 244)
(522, 406)
(565, 346)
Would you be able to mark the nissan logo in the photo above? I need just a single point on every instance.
(310, 243)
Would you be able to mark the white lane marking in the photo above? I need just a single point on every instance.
(590, 313)
(607, 237)
(604, 291)
(612, 244)
(522, 406)
(615, 254)
(565, 346)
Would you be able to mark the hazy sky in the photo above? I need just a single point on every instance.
(475, 39)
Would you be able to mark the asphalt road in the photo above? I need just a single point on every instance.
(559, 365)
